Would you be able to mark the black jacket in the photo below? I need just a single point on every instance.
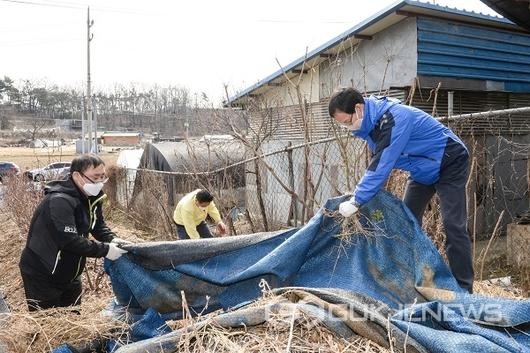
(58, 241)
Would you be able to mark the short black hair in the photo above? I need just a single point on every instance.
(83, 162)
(344, 99)
(204, 196)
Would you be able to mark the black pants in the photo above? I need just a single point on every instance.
(451, 189)
(44, 294)
(202, 229)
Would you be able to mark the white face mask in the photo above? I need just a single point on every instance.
(357, 125)
(93, 189)
(202, 208)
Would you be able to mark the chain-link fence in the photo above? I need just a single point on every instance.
(282, 183)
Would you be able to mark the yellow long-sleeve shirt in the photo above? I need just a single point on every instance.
(189, 215)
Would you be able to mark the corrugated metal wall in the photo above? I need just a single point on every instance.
(287, 122)
(458, 50)
(465, 102)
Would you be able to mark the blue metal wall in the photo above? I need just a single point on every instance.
(464, 51)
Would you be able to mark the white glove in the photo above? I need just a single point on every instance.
(114, 252)
(120, 241)
(347, 208)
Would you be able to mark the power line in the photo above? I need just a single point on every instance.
(85, 5)
(38, 42)
(41, 4)
(70, 5)
(67, 5)
(41, 25)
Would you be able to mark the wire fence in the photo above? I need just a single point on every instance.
(279, 183)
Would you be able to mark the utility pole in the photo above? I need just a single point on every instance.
(83, 113)
(90, 36)
(95, 113)
(187, 123)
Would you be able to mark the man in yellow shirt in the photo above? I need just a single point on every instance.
(191, 212)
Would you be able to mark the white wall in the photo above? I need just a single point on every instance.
(388, 60)
(286, 94)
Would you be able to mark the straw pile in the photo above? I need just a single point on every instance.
(285, 331)
(490, 289)
(291, 332)
(281, 334)
(45, 330)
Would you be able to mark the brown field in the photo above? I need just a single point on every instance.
(30, 158)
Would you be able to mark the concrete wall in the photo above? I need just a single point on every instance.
(388, 60)
(285, 94)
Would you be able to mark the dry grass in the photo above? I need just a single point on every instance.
(20, 199)
(24, 331)
(30, 158)
(150, 210)
(287, 330)
(489, 289)
(42, 331)
(350, 226)
(13, 241)
(284, 333)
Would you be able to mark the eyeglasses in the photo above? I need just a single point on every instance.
(103, 180)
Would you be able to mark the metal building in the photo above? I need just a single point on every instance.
(442, 60)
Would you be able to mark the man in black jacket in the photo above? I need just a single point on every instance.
(58, 244)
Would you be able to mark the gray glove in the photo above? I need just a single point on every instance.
(114, 252)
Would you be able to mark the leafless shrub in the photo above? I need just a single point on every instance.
(24, 331)
(151, 210)
(21, 198)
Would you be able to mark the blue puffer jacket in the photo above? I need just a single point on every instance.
(401, 137)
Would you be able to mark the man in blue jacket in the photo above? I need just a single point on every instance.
(409, 139)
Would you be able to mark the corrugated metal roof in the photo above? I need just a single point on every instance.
(516, 11)
(379, 21)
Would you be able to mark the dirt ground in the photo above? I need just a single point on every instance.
(29, 158)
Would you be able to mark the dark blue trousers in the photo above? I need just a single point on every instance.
(451, 190)
(202, 229)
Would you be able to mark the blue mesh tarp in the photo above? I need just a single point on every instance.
(394, 277)
(62, 349)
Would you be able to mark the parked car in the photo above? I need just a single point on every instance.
(8, 169)
(53, 171)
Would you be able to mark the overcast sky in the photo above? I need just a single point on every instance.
(195, 44)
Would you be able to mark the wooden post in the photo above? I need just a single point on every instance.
(293, 210)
